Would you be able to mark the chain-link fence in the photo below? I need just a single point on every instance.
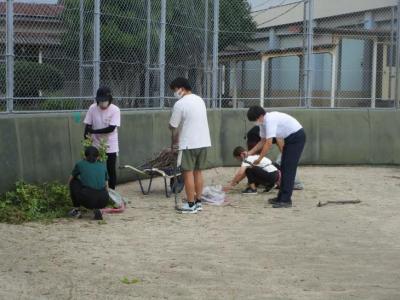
(235, 53)
(3, 107)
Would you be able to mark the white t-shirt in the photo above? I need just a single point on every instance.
(102, 118)
(278, 125)
(189, 114)
(265, 164)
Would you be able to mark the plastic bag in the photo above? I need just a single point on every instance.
(119, 203)
(214, 195)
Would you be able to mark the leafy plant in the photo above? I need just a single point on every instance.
(28, 202)
(102, 148)
(126, 280)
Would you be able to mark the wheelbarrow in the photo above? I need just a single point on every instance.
(173, 174)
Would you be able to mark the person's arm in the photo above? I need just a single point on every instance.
(239, 176)
(174, 123)
(88, 129)
(74, 174)
(174, 136)
(108, 129)
(257, 147)
(268, 133)
(267, 145)
(88, 121)
(280, 143)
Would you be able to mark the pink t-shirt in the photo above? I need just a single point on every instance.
(102, 118)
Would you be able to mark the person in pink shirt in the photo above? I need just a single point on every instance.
(102, 122)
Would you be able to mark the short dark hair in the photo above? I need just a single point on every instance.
(91, 154)
(255, 112)
(238, 151)
(180, 82)
(104, 94)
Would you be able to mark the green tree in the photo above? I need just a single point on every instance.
(30, 77)
(236, 23)
(124, 34)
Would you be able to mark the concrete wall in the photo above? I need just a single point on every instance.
(40, 148)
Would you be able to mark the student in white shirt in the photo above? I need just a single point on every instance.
(253, 137)
(264, 173)
(280, 126)
(189, 126)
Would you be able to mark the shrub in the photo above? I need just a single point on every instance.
(30, 77)
(102, 148)
(28, 202)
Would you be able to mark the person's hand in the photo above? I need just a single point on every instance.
(227, 188)
(257, 162)
(246, 153)
(174, 148)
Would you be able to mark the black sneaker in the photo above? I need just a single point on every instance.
(97, 214)
(249, 191)
(273, 200)
(281, 204)
(75, 213)
(267, 189)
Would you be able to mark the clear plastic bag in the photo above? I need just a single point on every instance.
(214, 195)
(116, 198)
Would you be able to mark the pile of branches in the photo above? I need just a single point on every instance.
(165, 159)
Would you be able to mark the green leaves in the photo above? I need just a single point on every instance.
(28, 202)
(102, 148)
(30, 77)
(126, 280)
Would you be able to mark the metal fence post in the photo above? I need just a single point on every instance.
(374, 72)
(303, 60)
(391, 62)
(397, 92)
(10, 56)
(81, 23)
(205, 53)
(148, 57)
(162, 51)
(215, 53)
(310, 48)
(96, 47)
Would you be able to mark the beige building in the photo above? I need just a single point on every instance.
(353, 63)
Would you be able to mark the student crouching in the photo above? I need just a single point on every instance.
(88, 184)
(263, 173)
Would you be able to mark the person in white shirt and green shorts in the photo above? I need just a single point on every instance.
(189, 126)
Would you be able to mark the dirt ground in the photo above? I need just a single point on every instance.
(246, 250)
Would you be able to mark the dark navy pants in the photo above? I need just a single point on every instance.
(294, 145)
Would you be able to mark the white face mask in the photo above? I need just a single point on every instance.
(178, 95)
(104, 104)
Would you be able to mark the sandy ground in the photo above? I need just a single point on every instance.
(243, 251)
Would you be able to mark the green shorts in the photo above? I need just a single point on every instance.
(194, 159)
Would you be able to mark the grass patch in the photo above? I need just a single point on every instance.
(28, 202)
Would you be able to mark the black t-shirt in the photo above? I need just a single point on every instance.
(253, 136)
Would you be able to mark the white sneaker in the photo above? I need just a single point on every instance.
(186, 209)
(199, 206)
